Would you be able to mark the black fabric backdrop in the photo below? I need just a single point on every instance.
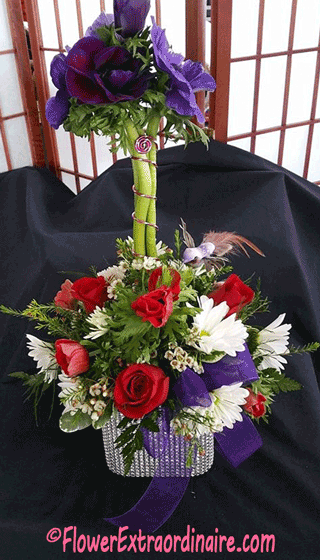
(52, 479)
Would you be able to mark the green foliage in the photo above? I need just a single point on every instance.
(130, 441)
(259, 304)
(312, 347)
(253, 339)
(105, 417)
(73, 422)
(35, 387)
(272, 381)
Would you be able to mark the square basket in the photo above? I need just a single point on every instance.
(173, 461)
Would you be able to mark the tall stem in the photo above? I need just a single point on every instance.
(143, 184)
(151, 232)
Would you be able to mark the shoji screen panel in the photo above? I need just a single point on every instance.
(54, 24)
(269, 100)
(20, 136)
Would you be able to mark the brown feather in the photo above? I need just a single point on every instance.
(187, 238)
(226, 242)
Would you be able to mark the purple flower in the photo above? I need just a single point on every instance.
(185, 78)
(102, 20)
(130, 15)
(57, 107)
(97, 74)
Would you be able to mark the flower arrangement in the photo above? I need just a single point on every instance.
(163, 337)
(155, 333)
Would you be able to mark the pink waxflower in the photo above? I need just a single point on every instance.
(71, 357)
(65, 297)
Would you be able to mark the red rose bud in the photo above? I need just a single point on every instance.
(234, 292)
(155, 307)
(65, 298)
(255, 404)
(71, 357)
(139, 389)
(154, 282)
(91, 291)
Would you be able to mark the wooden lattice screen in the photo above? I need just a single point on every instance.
(267, 63)
(250, 108)
(20, 131)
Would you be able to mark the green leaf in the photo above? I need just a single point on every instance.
(72, 423)
(105, 417)
(150, 425)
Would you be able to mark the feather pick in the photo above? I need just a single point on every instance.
(187, 238)
(226, 242)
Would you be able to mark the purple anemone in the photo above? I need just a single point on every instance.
(102, 20)
(185, 77)
(130, 15)
(57, 108)
(97, 74)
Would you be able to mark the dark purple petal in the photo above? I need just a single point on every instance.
(81, 56)
(130, 15)
(57, 109)
(195, 74)
(119, 78)
(84, 88)
(58, 69)
(102, 20)
(114, 56)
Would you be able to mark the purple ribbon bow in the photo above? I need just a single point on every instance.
(165, 493)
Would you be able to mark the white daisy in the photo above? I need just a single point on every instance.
(226, 404)
(224, 411)
(98, 321)
(161, 248)
(273, 343)
(44, 354)
(148, 263)
(215, 332)
(113, 273)
(69, 387)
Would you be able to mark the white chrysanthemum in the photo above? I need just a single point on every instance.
(113, 273)
(98, 321)
(215, 332)
(161, 248)
(44, 354)
(148, 263)
(273, 343)
(224, 411)
(200, 270)
(69, 387)
(226, 403)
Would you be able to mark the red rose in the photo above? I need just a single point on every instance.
(91, 291)
(139, 389)
(65, 298)
(174, 286)
(155, 307)
(234, 292)
(255, 404)
(71, 357)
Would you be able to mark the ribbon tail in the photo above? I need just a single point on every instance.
(156, 505)
(238, 444)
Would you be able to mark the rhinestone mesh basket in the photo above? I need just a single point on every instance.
(145, 465)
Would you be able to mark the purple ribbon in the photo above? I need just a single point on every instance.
(238, 444)
(156, 505)
(165, 493)
(229, 370)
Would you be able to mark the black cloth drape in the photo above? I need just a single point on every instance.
(49, 479)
